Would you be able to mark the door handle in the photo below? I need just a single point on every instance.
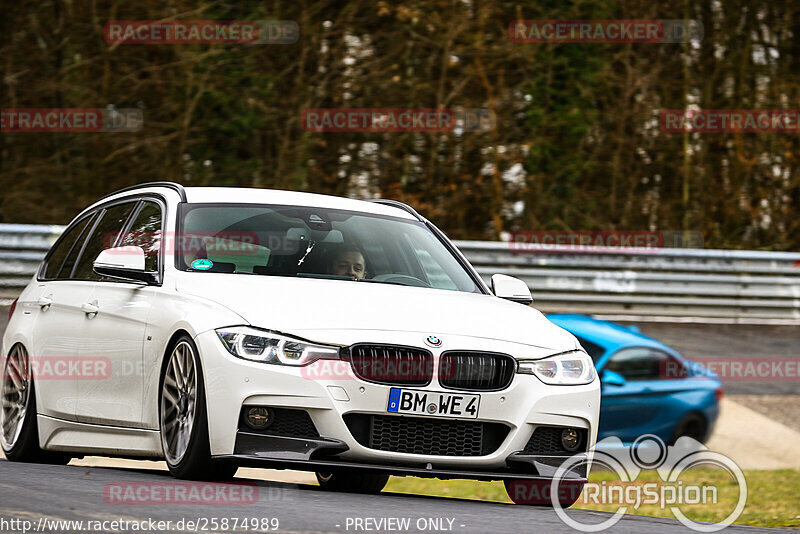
(90, 308)
(44, 302)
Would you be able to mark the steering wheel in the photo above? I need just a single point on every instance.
(403, 279)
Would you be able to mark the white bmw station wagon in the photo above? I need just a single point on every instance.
(221, 327)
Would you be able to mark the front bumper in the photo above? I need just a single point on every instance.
(331, 393)
(304, 454)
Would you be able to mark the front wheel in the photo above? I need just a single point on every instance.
(184, 421)
(352, 481)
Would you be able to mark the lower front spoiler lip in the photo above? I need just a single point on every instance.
(304, 454)
(396, 470)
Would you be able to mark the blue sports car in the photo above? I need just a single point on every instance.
(647, 387)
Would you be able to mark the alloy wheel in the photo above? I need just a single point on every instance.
(178, 402)
(16, 394)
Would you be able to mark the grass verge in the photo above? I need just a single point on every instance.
(772, 499)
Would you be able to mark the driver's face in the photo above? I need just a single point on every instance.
(348, 264)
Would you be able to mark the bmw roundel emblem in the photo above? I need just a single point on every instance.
(433, 341)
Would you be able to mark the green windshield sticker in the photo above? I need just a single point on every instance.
(202, 265)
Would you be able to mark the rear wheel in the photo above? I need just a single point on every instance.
(184, 421)
(352, 481)
(19, 433)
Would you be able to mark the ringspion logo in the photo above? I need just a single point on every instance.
(647, 452)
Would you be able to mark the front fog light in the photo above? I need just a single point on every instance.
(570, 439)
(258, 418)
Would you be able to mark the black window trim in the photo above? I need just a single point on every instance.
(101, 211)
(46, 261)
(97, 213)
(161, 203)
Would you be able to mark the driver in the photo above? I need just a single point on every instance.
(348, 261)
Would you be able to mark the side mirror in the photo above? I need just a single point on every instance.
(510, 288)
(124, 263)
(611, 378)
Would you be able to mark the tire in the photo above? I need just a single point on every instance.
(352, 481)
(694, 426)
(183, 419)
(19, 431)
(537, 492)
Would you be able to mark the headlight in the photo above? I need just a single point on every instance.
(268, 347)
(567, 369)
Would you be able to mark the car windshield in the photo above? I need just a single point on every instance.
(315, 243)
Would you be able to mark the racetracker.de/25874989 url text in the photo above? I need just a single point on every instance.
(149, 525)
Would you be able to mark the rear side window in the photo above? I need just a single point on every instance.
(72, 257)
(62, 249)
(104, 236)
(145, 232)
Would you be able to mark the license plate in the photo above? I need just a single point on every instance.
(433, 403)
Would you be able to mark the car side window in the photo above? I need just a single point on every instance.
(69, 263)
(145, 232)
(104, 236)
(65, 245)
(640, 363)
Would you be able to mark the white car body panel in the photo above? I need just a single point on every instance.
(135, 325)
(341, 307)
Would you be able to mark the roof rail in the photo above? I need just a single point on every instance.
(397, 204)
(178, 188)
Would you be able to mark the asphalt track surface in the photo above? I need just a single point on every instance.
(33, 492)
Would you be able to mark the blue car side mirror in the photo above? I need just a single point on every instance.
(610, 378)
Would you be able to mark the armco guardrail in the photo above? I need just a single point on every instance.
(22, 247)
(729, 284)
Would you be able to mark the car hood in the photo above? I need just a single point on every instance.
(345, 312)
